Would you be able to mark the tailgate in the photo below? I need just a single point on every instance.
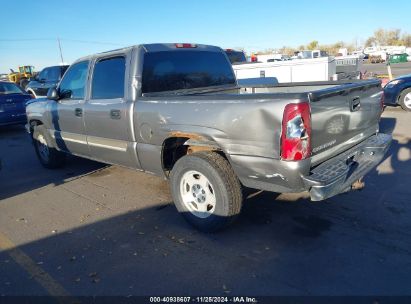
(343, 116)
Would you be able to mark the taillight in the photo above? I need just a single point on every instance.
(296, 132)
(382, 99)
(185, 45)
(253, 58)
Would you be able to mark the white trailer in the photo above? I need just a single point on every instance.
(271, 57)
(299, 70)
(348, 67)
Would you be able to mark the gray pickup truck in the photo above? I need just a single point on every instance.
(176, 110)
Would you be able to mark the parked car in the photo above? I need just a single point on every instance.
(12, 104)
(398, 92)
(47, 78)
(176, 110)
(4, 77)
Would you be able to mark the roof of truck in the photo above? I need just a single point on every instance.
(154, 47)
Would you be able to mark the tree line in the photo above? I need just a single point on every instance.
(380, 37)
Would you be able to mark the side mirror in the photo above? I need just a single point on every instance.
(53, 94)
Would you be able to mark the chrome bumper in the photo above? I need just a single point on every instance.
(339, 173)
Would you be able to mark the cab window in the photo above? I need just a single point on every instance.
(108, 78)
(74, 81)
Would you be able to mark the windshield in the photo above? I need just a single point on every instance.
(179, 70)
(9, 88)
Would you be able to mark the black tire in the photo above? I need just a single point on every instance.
(225, 185)
(52, 158)
(401, 99)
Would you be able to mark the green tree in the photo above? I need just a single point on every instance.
(406, 39)
(286, 50)
(385, 37)
(313, 45)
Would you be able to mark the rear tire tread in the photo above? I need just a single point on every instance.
(231, 184)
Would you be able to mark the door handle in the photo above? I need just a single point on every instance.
(115, 114)
(355, 104)
(78, 112)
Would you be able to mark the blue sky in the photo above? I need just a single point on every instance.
(228, 23)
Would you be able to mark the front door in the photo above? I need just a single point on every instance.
(67, 120)
(106, 114)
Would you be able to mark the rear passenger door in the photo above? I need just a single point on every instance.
(106, 113)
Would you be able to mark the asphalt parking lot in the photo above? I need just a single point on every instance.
(397, 69)
(93, 229)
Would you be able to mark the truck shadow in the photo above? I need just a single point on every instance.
(280, 245)
(387, 125)
(143, 251)
(276, 247)
(21, 171)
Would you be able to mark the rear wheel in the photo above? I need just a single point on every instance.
(405, 99)
(48, 156)
(206, 191)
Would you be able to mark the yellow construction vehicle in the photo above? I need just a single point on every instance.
(23, 75)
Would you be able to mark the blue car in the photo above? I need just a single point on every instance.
(398, 92)
(12, 104)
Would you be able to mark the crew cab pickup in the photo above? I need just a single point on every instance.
(176, 110)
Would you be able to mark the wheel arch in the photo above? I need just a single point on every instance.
(180, 144)
(34, 122)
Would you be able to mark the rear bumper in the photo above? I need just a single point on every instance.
(339, 173)
(329, 178)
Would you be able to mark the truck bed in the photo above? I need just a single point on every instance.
(247, 125)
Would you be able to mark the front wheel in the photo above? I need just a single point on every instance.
(48, 156)
(206, 191)
(405, 99)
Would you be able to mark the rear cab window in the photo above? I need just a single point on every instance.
(181, 70)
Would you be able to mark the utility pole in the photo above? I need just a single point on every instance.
(61, 53)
